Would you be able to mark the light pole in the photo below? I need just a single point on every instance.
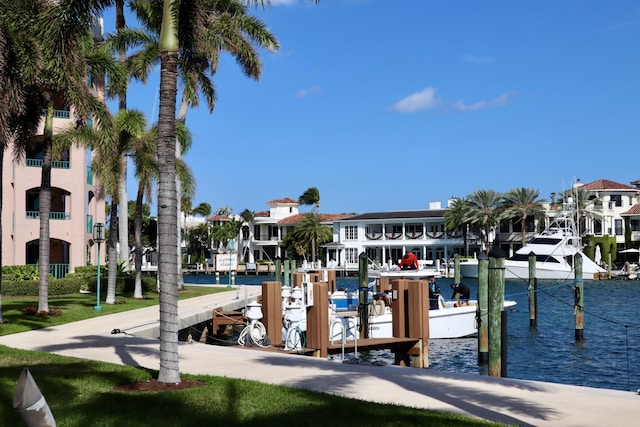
(98, 229)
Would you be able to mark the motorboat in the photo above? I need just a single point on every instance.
(426, 269)
(450, 320)
(555, 250)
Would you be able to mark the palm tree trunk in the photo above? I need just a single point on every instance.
(182, 118)
(45, 211)
(137, 293)
(167, 199)
(112, 269)
(123, 222)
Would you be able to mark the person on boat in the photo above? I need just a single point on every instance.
(463, 291)
(434, 294)
(409, 262)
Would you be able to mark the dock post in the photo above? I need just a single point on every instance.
(399, 321)
(418, 316)
(278, 266)
(318, 321)
(456, 268)
(272, 311)
(533, 291)
(287, 273)
(496, 302)
(483, 308)
(579, 298)
(363, 295)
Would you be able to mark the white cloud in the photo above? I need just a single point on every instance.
(417, 101)
(306, 92)
(500, 101)
(478, 59)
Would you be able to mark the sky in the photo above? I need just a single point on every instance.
(387, 105)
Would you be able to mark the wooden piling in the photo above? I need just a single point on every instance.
(579, 298)
(496, 302)
(272, 311)
(456, 268)
(287, 272)
(318, 321)
(363, 294)
(418, 325)
(278, 266)
(483, 307)
(533, 291)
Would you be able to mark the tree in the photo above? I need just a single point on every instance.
(484, 211)
(59, 39)
(311, 197)
(523, 202)
(454, 219)
(18, 118)
(310, 233)
(167, 195)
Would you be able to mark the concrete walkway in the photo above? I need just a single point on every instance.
(510, 401)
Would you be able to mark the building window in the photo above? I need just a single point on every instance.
(351, 232)
(635, 224)
(619, 231)
(352, 255)
(616, 199)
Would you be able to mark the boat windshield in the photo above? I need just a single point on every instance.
(539, 258)
(545, 241)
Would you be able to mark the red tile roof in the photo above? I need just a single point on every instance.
(261, 214)
(293, 219)
(285, 201)
(635, 210)
(605, 184)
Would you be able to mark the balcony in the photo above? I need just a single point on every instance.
(52, 215)
(55, 164)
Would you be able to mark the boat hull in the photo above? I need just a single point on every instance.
(544, 271)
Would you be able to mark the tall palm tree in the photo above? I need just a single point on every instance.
(167, 195)
(484, 211)
(311, 197)
(18, 117)
(523, 202)
(65, 49)
(143, 153)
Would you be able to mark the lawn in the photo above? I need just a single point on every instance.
(89, 393)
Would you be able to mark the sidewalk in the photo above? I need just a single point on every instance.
(499, 399)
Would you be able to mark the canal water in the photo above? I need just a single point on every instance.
(607, 357)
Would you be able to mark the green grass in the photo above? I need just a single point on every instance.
(78, 307)
(83, 392)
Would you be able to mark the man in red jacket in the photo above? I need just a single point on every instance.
(409, 262)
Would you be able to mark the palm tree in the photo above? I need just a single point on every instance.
(523, 203)
(18, 117)
(484, 211)
(65, 49)
(311, 197)
(168, 47)
(454, 219)
(311, 233)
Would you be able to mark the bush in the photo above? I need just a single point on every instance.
(20, 272)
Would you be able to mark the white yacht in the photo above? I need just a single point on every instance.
(555, 250)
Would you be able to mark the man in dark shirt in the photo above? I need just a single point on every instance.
(464, 292)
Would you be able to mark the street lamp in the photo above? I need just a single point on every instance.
(98, 229)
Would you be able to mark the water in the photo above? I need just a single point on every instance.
(608, 357)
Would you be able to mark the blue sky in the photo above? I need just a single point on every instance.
(387, 105)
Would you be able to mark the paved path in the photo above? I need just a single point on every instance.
(500, 399)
